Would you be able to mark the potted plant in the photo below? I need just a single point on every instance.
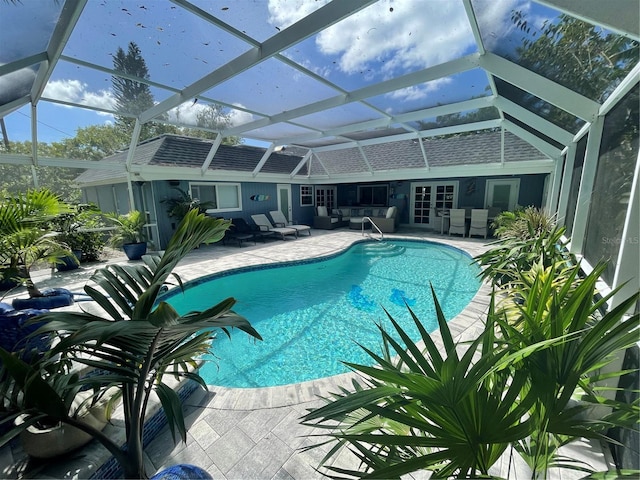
(136, 342)
(129, 233)
(26, 237)
(177, 207)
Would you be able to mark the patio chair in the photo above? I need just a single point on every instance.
(265, 225)
(241, 231)
(457, 221)
(479, 219)
(279, 220)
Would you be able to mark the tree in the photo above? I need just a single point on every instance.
(133, 97)
(575, 54)
(212, 117)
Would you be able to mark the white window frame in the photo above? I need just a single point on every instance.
(309, 196)
(216, 185)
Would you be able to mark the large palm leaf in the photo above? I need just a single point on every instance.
(138, 338)
(451, 414)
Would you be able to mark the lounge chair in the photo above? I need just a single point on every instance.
(265, 225)
(457, 222)
(241, 231)
(479, 219)
(279, 220)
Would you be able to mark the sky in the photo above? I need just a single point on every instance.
(388, 39)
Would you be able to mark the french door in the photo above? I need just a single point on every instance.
(326, 197)
(428, 198)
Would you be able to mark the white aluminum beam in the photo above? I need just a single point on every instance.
(301, 164)
(64, 27)
(541, 87)
(549, 150)
(621, 90)
(629, 253)
(304, 28)
(264, 159)
(448, 68)
(563, 201)
(586, 186)
(544, 126)
(211, 154)
(620, 16)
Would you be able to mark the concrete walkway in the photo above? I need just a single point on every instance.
(255, 433)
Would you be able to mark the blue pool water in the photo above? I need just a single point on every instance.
(312, 314)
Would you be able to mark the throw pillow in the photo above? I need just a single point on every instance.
(391, 212)
(322, 212)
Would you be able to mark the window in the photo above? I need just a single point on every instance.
(374, 195)
(306, 195)
(221, 197)
(326, 197)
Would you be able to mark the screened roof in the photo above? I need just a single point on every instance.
(325, 77)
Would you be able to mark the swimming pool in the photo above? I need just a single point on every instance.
(312, 314)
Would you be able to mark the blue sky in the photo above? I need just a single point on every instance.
(388, 39)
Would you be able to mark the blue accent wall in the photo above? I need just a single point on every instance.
(471, 194)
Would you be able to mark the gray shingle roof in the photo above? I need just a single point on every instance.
(177, 151)
(456, 150)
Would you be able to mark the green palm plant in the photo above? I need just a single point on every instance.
(556, 307)
(530, 222)
(25, 235)
(453, 414)
(514, 386)
(129, 228)
(177, 207)
(135, 342)
(501, 265)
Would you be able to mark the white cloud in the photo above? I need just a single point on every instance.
(238, 117)
(75, 91)
(389, 37)
(417, 92)
(283, 14)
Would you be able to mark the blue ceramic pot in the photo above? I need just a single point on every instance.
(135, 251)
(182, 471)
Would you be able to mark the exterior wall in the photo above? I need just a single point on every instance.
(471, 194)
(150, 197)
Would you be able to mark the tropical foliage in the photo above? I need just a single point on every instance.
(529, 238)
(177, 207)
(26, 237)
(137, 343)
(129, 228)
(526, 384)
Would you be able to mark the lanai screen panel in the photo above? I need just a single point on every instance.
(17, 18)
(340, 116)
(271, 87)
(385, 40)
(177, 46)
(585, 58)
(442, 91)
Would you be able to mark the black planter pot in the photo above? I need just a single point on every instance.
(135, 251)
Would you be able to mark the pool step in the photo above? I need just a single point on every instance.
(382, 249)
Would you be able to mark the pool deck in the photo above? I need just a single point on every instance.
(256, 433)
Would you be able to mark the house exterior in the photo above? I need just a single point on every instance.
(459, 171)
